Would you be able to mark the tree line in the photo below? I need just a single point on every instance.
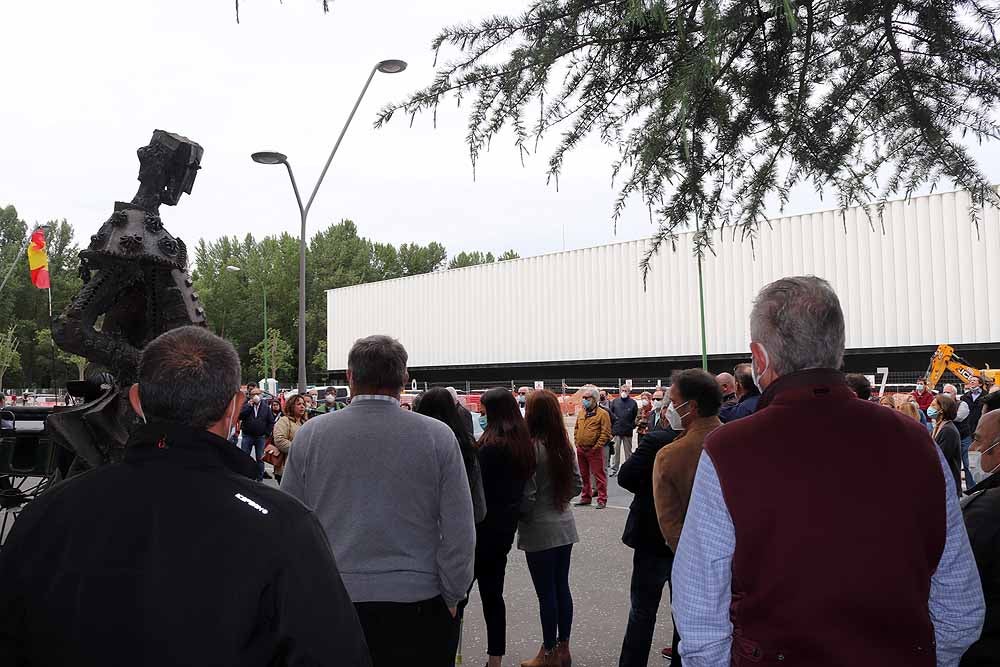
(233, 297)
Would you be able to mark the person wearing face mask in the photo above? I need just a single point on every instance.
(651, 558)
(695, 399)
(923, 394)
(981, 511)
(942, 412)
(624, 411)
(964, 429)
(794, 481)
(176, 543)
(642, 419)
(654, 415)
(256, 424)
(592, 430)
(727, 383)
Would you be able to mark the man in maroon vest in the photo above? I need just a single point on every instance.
(793, 552)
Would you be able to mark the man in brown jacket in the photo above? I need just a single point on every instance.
(695, 399)
(592, 431)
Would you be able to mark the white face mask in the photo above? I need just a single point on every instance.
(255, 399)
(657, 404)
(674, 418)
(976, 465)
(753, 369)
(920, 388)
(624, 394)
(645, 403)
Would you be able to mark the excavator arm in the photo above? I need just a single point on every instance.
(944, 358)
(939, 364)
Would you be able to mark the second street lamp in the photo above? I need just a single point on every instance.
(273, 157)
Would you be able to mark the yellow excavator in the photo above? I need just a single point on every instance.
(944, 358)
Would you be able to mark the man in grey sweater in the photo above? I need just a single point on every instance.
(398, 516)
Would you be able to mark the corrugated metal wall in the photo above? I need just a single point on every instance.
(921, 282)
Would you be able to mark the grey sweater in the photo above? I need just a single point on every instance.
(543, 525)
(390, 489)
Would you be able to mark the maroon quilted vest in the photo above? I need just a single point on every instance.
(832, 566)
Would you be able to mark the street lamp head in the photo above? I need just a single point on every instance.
(269, 157)
(233, 268)
(391, 66)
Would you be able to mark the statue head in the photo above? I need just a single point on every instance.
(167, 169)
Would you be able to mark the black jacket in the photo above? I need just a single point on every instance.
(503, 489)
(642, 531)
(173, 557)
(981, 511)
(623, 413)
(967, 426)
(950, 442)
(261, 424)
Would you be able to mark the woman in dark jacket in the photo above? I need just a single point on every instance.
(506, 460)
(439, 404)
(943, 410)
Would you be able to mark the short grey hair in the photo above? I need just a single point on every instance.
(378, 362)
(800, 323)
(589, 389)
(188, 376)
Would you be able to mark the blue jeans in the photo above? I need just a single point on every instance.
(650, 572)
(550, 574)
(966, 444)
(255, 442)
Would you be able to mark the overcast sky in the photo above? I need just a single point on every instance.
(83, 84)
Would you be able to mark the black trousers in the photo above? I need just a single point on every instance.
(408, 633)
(650, 571)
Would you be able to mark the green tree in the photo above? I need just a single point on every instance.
(10, 360)
(510, 254)
(279, 354)
(415, 259)
(45, 348)
(319, 360)
(713, 105)
(25, 307)
(473, 258)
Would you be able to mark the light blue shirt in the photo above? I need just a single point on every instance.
(702, 578)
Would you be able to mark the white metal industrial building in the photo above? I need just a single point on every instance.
(919, 282)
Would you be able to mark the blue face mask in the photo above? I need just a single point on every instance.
(932, 412)
(482, 422)
(587, 404)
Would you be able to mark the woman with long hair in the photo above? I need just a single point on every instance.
(285, 429)
(942, 411)
(547, 530)
(438, 403)
(507, 461)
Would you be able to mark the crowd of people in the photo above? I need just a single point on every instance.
(759, 499)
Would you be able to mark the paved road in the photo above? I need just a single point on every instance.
(599, 580)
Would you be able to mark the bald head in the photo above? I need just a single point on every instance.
(727, 383)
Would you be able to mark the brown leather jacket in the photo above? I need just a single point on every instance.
(673, 477)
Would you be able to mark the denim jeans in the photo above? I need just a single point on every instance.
(650, 571)
(255, 442)
(549, 570)
(966, 444)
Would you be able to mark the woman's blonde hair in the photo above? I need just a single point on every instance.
(910, 409)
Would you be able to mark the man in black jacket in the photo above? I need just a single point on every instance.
(652, 559)
(981, 511)
(256, 425)
(623, 411)
(176, 556)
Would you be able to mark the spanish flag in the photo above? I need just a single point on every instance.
(38, 260)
